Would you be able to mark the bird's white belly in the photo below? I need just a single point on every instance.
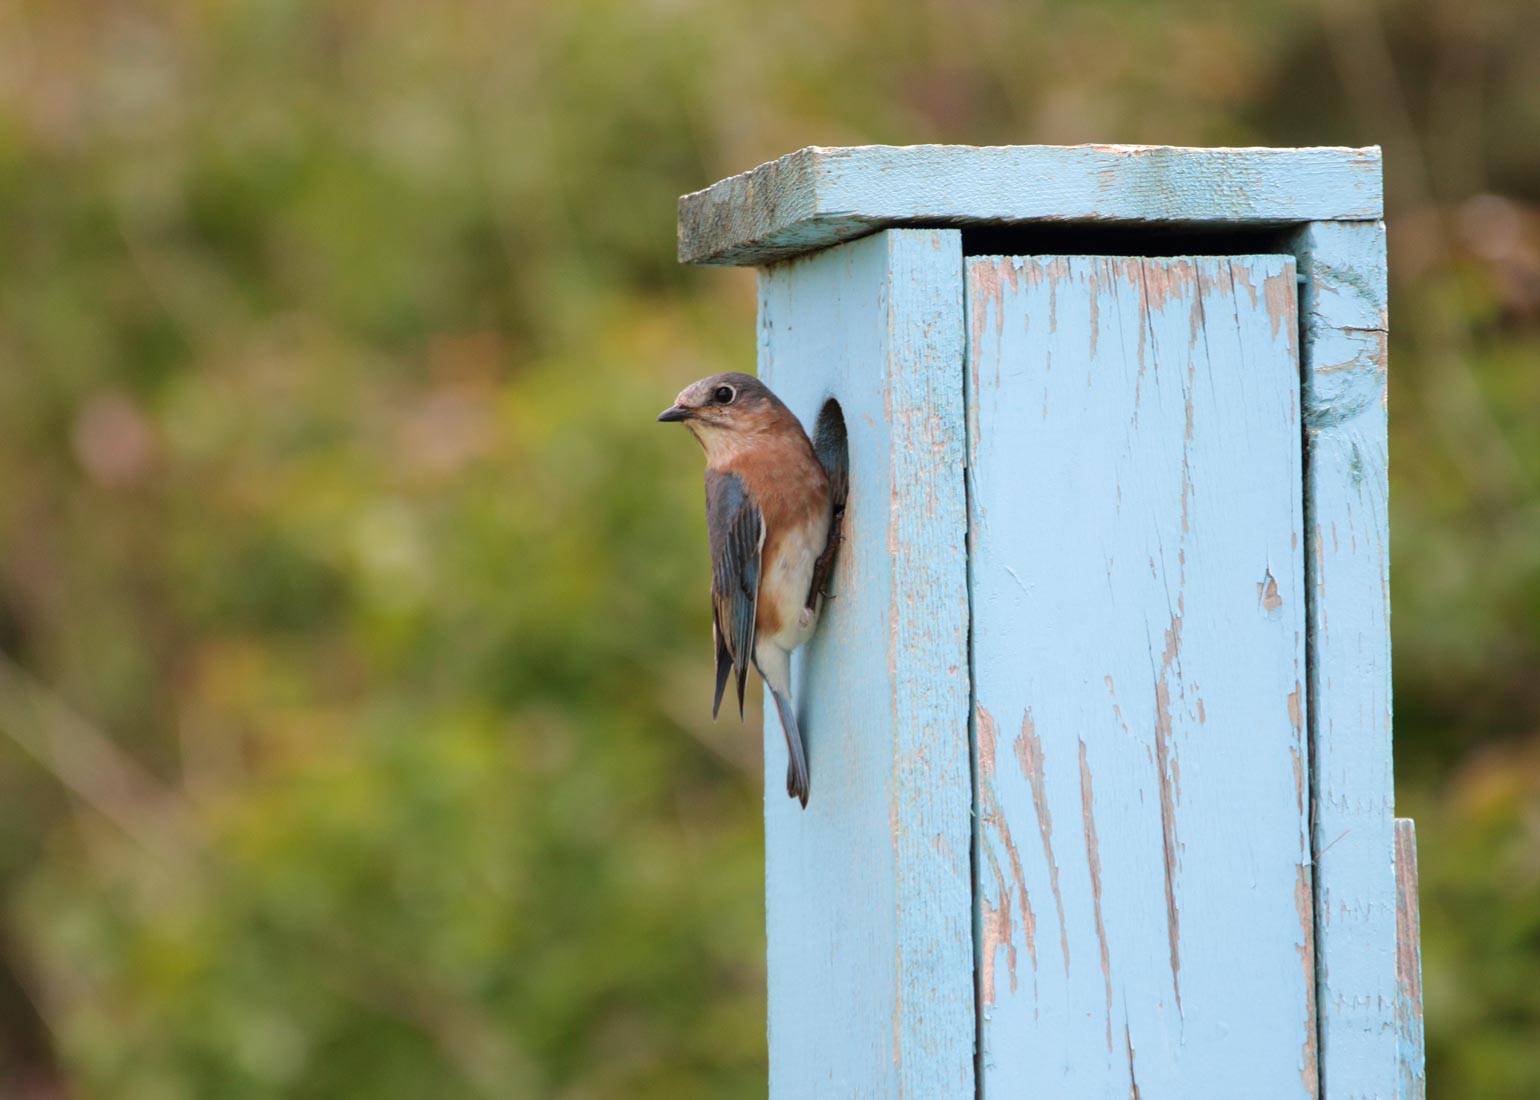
(786, 583)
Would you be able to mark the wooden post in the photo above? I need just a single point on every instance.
(1099, 721)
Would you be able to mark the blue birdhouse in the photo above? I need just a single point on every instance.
(1099, 719)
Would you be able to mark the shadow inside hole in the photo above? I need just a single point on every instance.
(833, 449)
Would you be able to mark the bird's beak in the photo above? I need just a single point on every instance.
(673, 413)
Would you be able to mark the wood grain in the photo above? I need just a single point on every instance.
(868, 891)
(818, 197)
(1137, 576)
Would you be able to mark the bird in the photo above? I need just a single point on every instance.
(772, 520)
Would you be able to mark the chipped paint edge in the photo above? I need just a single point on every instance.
(1413, 1083)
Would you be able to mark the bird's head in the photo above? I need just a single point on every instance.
(725, 410)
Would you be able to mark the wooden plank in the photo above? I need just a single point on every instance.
(1137, 576)
(818, 197)
(1347, 563)
(1408, 965)
(868, 891)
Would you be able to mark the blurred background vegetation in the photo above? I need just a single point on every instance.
(354, 736)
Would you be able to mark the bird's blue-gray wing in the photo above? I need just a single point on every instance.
(737, 533)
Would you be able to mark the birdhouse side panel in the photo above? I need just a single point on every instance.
(1347, 565)
(868, 890)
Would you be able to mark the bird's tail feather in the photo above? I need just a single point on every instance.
(797, 781)
(723, 669)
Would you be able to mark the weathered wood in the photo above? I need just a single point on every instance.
(1145, 922)
(1347, 554)
(869, 898)
(1408, 965)
(818, 197)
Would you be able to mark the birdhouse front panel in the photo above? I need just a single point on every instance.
(1138, 630)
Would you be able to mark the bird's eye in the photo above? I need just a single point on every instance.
(724, 395)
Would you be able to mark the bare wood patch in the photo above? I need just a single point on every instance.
(1094, 860)
(1029, 753)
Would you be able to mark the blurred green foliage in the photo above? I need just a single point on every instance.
(354, 736)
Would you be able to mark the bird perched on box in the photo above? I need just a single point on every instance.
(772, 515)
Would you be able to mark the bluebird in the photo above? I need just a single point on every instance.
(772, 519)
